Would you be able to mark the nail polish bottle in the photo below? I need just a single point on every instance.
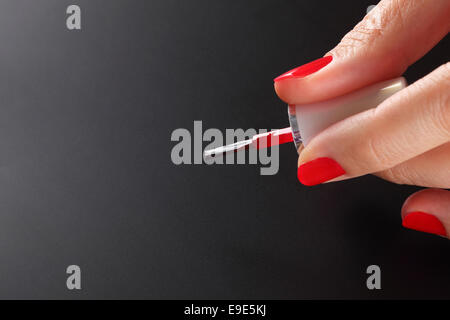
(307, 120)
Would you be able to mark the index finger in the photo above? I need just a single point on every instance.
(392, 36)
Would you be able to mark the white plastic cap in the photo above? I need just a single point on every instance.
(307, 120)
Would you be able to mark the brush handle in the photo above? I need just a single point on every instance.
(272, 138)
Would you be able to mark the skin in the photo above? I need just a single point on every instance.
(406, 139)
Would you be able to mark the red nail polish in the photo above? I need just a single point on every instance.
(306, 69)
(424, 222)
(318, 171)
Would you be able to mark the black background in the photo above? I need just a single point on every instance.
(86, 176)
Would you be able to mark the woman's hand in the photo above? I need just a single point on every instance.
(406, 139)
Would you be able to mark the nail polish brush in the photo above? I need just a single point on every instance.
(307, 120)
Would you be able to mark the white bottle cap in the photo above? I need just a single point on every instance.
(307, 120)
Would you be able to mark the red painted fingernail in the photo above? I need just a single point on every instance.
(318, 171)
(424, 222)
(306, 69)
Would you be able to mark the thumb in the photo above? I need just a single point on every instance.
(392, 36)
(428, 211)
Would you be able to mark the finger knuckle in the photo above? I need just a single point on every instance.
(362, 35)
(373, 26)
(376, 154)
(392, 175)
(397, 175)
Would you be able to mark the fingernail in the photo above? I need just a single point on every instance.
(424, 222)
(306, 69)
(318, 171)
